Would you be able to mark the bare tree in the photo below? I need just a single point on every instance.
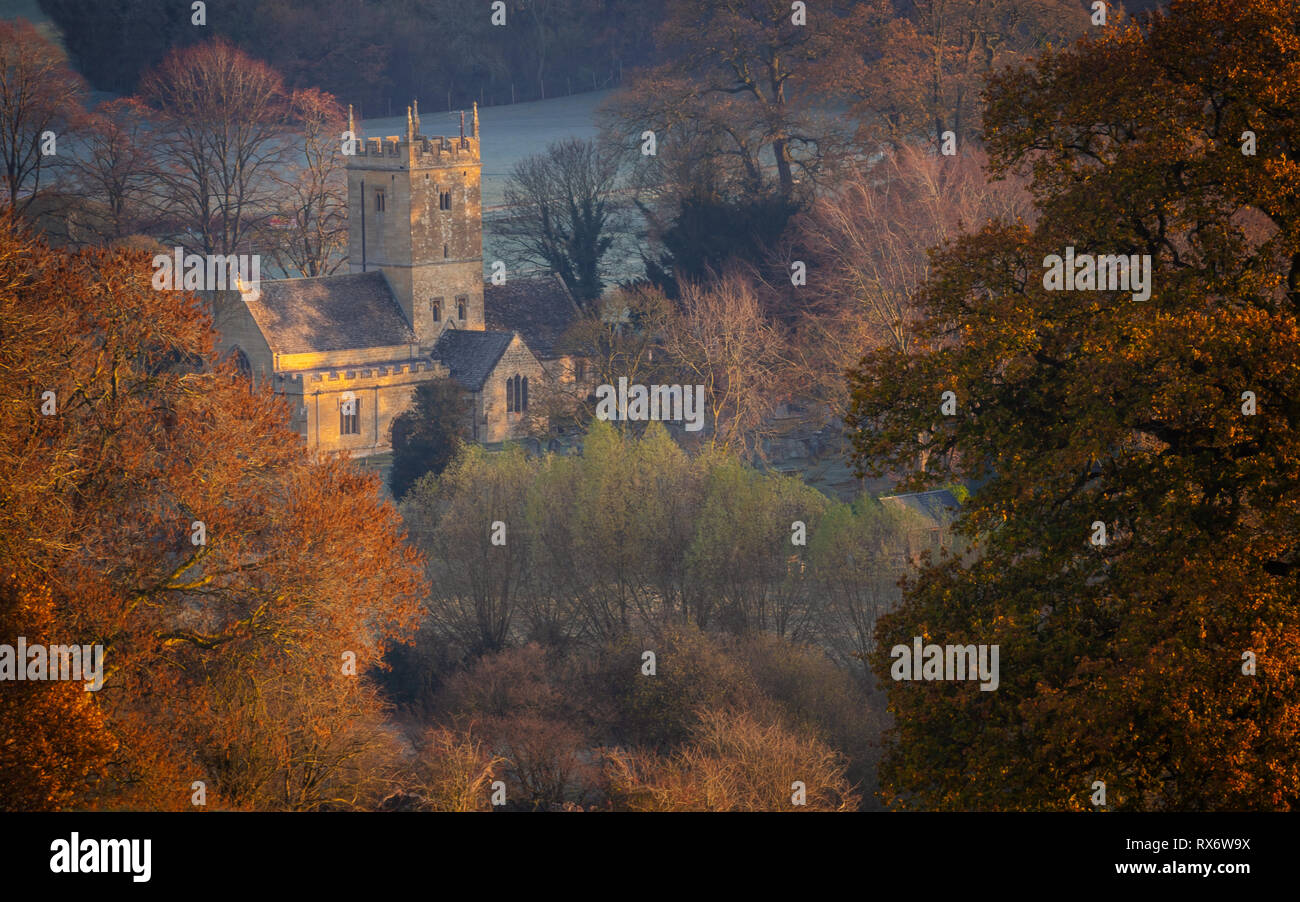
(870, 243)
(114, 166)
(313, 195)
(747, 71)
(563, 213)
(220, 120)
(722, 341)
(39, 98)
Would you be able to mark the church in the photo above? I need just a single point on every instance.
(348, 350)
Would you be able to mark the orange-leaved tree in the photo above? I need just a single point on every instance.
(1142, 458)
(154, 503)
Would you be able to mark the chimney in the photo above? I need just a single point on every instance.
(462, 126)
(474, 133)
(415, 105)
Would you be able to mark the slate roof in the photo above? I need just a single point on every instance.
(539, 308)
(939, 506)
(329, 313)
(471, 355)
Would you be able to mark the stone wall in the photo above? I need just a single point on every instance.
(235, 327)
(495, 423)
(382, 394)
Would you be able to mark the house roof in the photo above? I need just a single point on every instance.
(939, 506)
(329, 313)
(471, 355)
(539, 308)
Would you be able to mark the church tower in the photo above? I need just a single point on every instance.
(415, 213)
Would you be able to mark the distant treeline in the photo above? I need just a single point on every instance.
(376, 52)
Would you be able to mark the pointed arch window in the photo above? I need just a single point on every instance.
(517, 394)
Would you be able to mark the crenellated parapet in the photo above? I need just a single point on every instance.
(358, 377)
(414, 150)
(425, 151)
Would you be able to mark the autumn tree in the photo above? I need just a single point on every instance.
(1139, 518)
(914, 69)
(153, 502)
(40, 97)
(454, 772)
(515, 701)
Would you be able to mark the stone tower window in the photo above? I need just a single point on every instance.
(379, 201)
(350, 417)
(444, 200)
(460, 309)
(444, 252)
(435, 308)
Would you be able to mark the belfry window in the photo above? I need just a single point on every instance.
(379, 201)
(444, 200)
